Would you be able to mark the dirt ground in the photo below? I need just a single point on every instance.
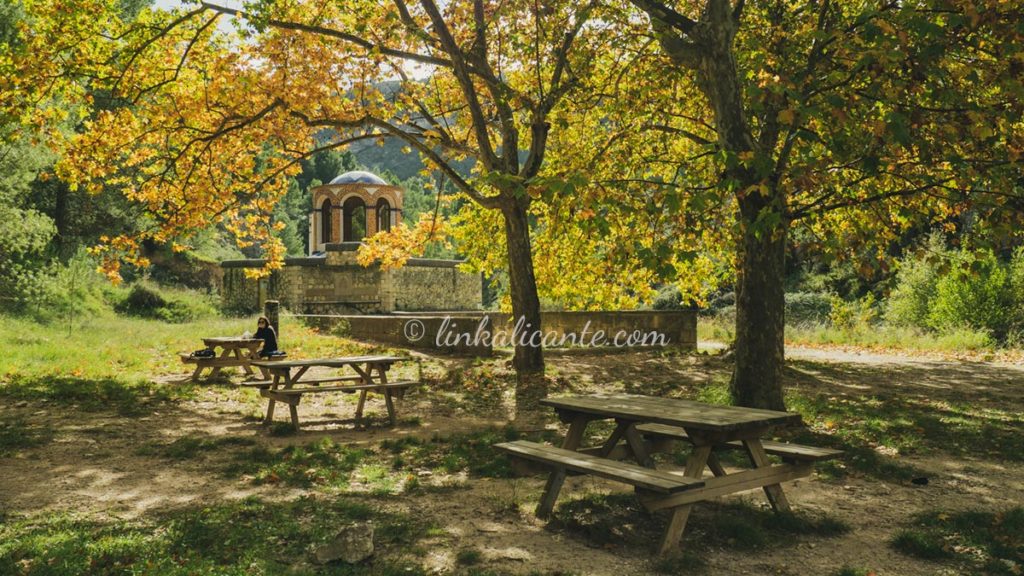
(92, 465)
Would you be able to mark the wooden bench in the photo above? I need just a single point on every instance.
(787, 451)
(218, 362)
(293, 395)
(568, 460)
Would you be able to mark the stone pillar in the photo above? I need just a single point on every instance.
(272, 309)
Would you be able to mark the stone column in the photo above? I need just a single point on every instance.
(272, 309)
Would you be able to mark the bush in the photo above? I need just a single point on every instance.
(976, 293)
(850, 315)
(668, 298)
(149, 301)
(807, 307)
(948, 291)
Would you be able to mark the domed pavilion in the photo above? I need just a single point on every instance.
(352, 206)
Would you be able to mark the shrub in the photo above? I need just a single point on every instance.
(149, 301)
(910, 303)
(975, 293)
(846, 315)
(668, 298)
(807, 307)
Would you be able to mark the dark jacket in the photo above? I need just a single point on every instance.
(269, 338)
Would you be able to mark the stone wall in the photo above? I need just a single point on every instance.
(676, 328)
(335, 283)
(421, 285)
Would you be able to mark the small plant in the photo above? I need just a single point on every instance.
(469, 557)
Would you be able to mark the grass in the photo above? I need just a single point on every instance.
(188, 447)
(982, 542)
(240, 537)
(109, 362)
(116, 347)
(883, 336)
(321, 463)
(472, 453)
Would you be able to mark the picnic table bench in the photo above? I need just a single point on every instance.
(235, 351)
(288, 386)
(647, 424)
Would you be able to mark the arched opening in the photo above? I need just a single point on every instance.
(325, 222)
(383, 216)
(354, 217)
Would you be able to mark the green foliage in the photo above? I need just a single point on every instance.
(668, 298)
(25, 232)
(849, 315)
(984, 542)
(975, 293)
(950, 290)
(149, 301)
(808, 307)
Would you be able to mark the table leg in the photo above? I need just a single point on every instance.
(225, 353)
(758, 457)
(677, 522)
(196, 373)
(637, 445)
(557, 476)
(293, 410)
(391, 406)
(244, 361)
(270, 401)
(359, 408)
(715, 465)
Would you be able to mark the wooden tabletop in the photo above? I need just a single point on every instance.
(330, 362)
(221, 340)
(673, 411)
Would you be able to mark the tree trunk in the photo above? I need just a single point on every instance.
(529, 357)
(760, 311)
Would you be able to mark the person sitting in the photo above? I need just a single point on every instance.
(265, 332)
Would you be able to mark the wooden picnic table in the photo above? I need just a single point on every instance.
(234, 351)
(646, 424)
(370, 375)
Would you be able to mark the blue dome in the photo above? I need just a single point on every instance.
(358, 177)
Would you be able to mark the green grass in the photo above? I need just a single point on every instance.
(110, 362)
(320, 463)
(892, 337)
(471, 452)
(469, 557)
(188, 447)
(242, 537)
(868, 336)
(982, 542)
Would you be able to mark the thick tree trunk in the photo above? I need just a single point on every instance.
(760, 312)
(760, 303)
(529, 356)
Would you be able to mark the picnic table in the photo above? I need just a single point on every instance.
(234, 351)
(645, 425)
(370, 375)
